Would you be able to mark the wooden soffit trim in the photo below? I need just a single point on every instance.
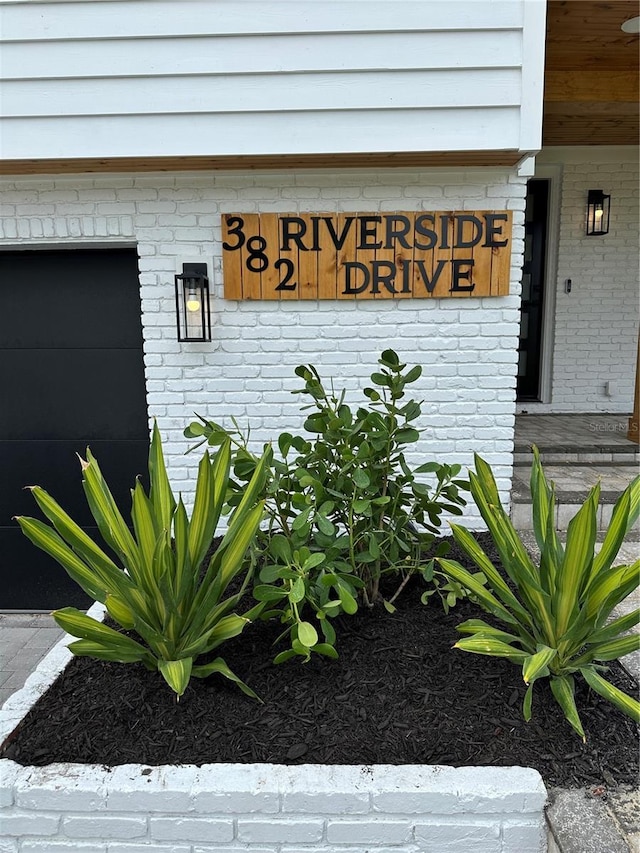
(247, 162)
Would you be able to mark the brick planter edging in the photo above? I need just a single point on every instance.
(261, 808)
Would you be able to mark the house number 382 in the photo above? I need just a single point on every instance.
(257, 260)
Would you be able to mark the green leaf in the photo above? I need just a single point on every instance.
(563, 690)
(313, 561)
(194, 430)
(389, 358)
(101, 651)
(380, 379)
(297, 591)
(160, 493)
(543, 501)
(576, 566)
(612, 649)
(203, 522)
(628, 705)
(487, 601)
(219, 665)
(428, 468)
(374, 547)
(45, 538)
(407, 435)
(537, 664)
(300, 520)
(280, 547)
(142, 511)
(361, 478)
(513, 555)
(111, 524)
(78, 624)
(612, 629)
(349, 604)
(609, 588)
(326, 650)
(307, 634)
(284, 442)
(482, 629)
(264, 592)
(284, 656)
(110, 576)
(413, 374)
(493, 648)
(470, 545)
(625, 513)
(119, 611)
(176, 673)
(325, 526)
(527, 703)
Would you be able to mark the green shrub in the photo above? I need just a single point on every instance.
(161, 590)
(344, 506)
(556, 620)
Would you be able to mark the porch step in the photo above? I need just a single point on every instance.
(558, 454)
(572, 483)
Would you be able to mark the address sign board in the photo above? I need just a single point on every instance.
(366, 255)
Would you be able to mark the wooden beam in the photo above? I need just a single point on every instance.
(595, 130)
(405, 159)
(591, 85)
(604, 109)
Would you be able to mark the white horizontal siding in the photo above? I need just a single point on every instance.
(118, 78)
(235, 134)
(255, 54)
(98, 19)
(263, 93)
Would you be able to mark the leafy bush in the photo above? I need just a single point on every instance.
(164, 594)
(344, 507)
(557, 617)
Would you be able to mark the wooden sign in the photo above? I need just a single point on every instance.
(366, 255)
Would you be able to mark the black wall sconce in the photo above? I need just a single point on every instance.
(598, 207)
(193, 313)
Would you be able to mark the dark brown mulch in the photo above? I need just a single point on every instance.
(397, 695)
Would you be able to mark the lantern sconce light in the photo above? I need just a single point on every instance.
(598, 207)
(193, 314)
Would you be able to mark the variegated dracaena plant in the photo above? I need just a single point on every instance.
(160, 590)
(557, 612)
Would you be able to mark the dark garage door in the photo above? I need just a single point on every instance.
(71, 375)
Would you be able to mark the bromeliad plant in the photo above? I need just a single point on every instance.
(556, 612)
(161, 590)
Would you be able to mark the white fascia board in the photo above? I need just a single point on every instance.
(534, 35)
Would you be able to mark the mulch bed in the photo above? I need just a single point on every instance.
(398, 694)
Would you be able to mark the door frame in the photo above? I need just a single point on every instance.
(553, 174)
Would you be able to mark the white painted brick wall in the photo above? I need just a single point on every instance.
(467, 347)
(489, 810)
(596, 325)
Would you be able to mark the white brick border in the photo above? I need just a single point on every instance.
(260, 808)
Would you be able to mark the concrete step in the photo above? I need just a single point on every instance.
(572, 484)
(571, 455)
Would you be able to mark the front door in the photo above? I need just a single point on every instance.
(533, 270)
(71, 375)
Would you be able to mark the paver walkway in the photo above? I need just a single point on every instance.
(25, 638)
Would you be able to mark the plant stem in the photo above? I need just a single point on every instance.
(405, 581)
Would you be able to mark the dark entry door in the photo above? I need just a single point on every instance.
(71, 375)
(535, 246)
